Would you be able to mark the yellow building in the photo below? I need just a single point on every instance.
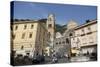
(29, 37)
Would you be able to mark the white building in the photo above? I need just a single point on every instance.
(84, 39)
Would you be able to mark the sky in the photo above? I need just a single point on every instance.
(63, 12)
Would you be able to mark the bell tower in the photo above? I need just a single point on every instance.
(51, 28)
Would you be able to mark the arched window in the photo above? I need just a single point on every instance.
(50, 25)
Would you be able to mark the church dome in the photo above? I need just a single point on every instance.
(71, 24)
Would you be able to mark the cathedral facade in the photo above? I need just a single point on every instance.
(77, 39)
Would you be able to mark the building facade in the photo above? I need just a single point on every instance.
(69, 32)
(60, 46)
(77, 39)
(33, 38)
(63, 42)
(84, 40)
(29, 37)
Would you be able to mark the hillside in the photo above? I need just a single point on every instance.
(60, 28)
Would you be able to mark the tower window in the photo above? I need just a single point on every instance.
(50, 25)
(50, 19)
